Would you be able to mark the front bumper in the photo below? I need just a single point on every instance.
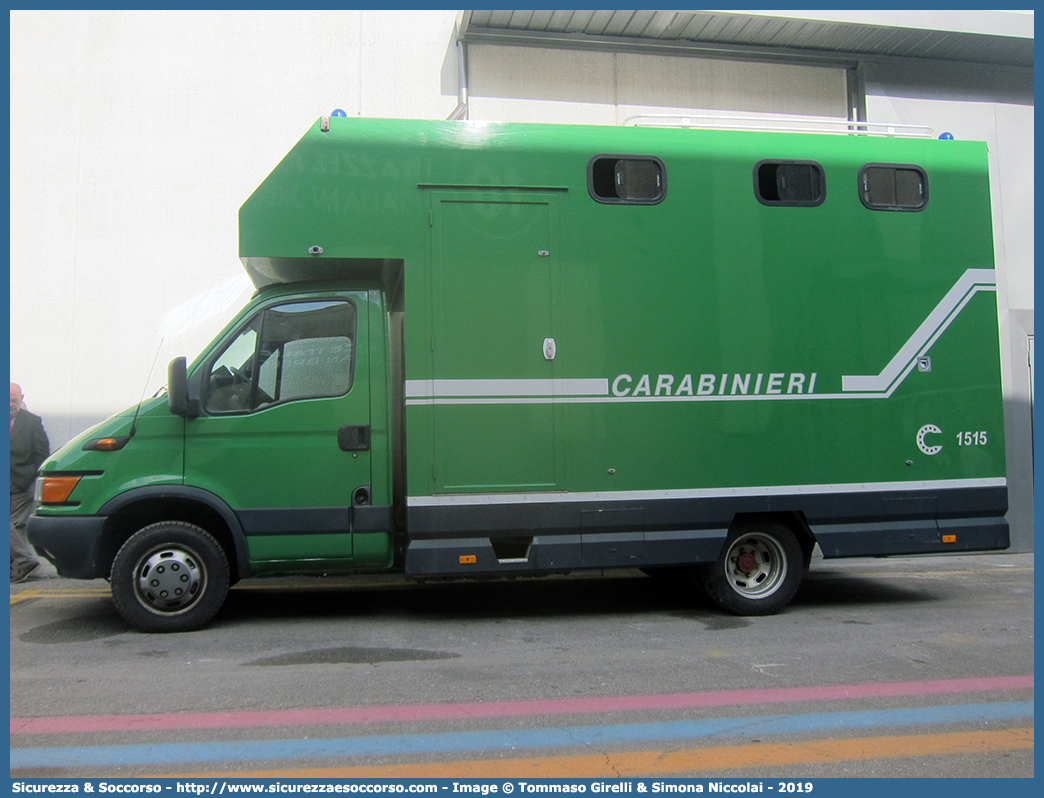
(70, 543)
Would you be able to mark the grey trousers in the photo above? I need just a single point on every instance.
(22, 554)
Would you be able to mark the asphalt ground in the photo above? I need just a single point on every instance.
(907, 667)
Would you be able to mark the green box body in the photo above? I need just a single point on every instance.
(543, 375)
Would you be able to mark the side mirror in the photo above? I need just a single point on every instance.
(177, 387)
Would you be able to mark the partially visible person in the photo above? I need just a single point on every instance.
(29, 448)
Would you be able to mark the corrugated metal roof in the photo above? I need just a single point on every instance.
(739, 35)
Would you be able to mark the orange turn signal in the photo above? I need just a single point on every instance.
(56, 490)
(949, 538)
(468, 559)
(106, 444)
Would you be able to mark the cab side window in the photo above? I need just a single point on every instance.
(299, 350)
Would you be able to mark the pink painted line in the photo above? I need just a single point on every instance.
(494, 709)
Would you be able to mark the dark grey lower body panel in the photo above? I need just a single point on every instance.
(456, 538)
(546, 554)
(883, 539)
(316, 521)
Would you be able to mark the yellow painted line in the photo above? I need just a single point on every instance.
(343, 583)
(665, 763)
(362, 582)
(897, 574)
(25, 595)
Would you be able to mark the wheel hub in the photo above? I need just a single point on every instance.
(747, 562)
(169, 579)
(756, 565)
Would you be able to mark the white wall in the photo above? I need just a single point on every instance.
(135, 137)
(530, 84)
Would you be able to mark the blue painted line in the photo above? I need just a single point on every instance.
(507, 740)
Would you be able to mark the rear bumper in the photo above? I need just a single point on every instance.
(70, 543)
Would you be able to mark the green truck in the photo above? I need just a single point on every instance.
(503, 350)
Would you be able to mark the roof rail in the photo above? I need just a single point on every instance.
(788, 124)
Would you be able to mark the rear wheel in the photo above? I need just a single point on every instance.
(169, 577)
(758, 571)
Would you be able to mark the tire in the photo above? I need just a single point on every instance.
(169, 577)
(758, 571)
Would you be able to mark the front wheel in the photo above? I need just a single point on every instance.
(169, 577)
(758, 571)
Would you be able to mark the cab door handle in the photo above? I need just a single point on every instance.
(354, 438)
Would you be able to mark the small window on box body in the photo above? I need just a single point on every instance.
(893, 187)
(800, 183)
(627, 179)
